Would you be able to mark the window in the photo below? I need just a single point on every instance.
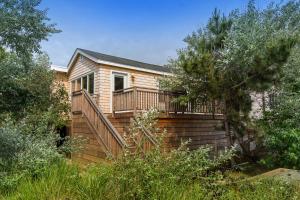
(73, 86)
(78, 84)
(84, 82)
(119, 82)
(91, 84)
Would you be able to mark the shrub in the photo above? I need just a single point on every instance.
(27, 152)
(146, 175)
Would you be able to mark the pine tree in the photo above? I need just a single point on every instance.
(234, 56)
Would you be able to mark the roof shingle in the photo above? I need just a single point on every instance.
(125, 61)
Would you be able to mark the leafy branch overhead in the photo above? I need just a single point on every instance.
(23, 26)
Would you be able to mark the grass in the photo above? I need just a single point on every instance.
(67, 181)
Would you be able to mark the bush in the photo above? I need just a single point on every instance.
(25, 151)
(24, 154)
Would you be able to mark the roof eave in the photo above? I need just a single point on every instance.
(78, 51)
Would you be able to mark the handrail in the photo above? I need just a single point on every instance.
(101, 139)
(145, 89)
(83, 103)
(149, 135)
(105, 120)
(135, 99)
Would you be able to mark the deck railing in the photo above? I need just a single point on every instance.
(140, 99)
(110, 138)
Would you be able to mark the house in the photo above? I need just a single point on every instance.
(106, 92)
(61, 77)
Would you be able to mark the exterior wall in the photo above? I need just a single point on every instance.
(61, 78)
(135, 78)
(83, 67)
(201, 130)
(103, 79)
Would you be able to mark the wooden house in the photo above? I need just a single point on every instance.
(107, 91)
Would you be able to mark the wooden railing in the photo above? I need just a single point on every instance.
(144, 141)
(139, 99)
(82, 102)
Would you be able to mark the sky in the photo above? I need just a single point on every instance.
(145, 30)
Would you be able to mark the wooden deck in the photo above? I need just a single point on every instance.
(201, 123)
(137, 99)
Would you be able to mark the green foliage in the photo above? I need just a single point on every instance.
(23, 26)
(23, 94)
(32, 106)
(59, 181)
(63, 181)
(281, 123)
(143, 175)
(235, 56)
(179, 174)
(24, 154)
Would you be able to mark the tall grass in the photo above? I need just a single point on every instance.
(67, 181)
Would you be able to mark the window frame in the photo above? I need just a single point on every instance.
(126, 83)
(88, 83)
(81, 82)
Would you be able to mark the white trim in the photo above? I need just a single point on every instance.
(112, 64)
(94, 89)
(81, 78)
(126, 83)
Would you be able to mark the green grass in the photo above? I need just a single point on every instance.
(66, 181)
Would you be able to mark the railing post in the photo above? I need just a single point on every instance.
(134, 100)
(168, 103)
(113, 104)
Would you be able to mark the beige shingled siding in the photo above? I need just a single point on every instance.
(135, 78)
(61, 78)
(83, 67)
(103, 74)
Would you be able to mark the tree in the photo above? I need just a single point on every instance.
(280, 124)
(23, 26)
(244, 55)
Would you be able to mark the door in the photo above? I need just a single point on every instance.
(119, 82)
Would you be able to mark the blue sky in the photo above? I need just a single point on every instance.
(144, 30)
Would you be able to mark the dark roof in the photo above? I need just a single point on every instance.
(125, 61)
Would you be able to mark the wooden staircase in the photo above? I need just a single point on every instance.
(105, 135)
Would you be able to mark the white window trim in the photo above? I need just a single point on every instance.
(81, 77)
(88, 82)
(126, 83)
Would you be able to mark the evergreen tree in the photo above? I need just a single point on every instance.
(235, 56)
